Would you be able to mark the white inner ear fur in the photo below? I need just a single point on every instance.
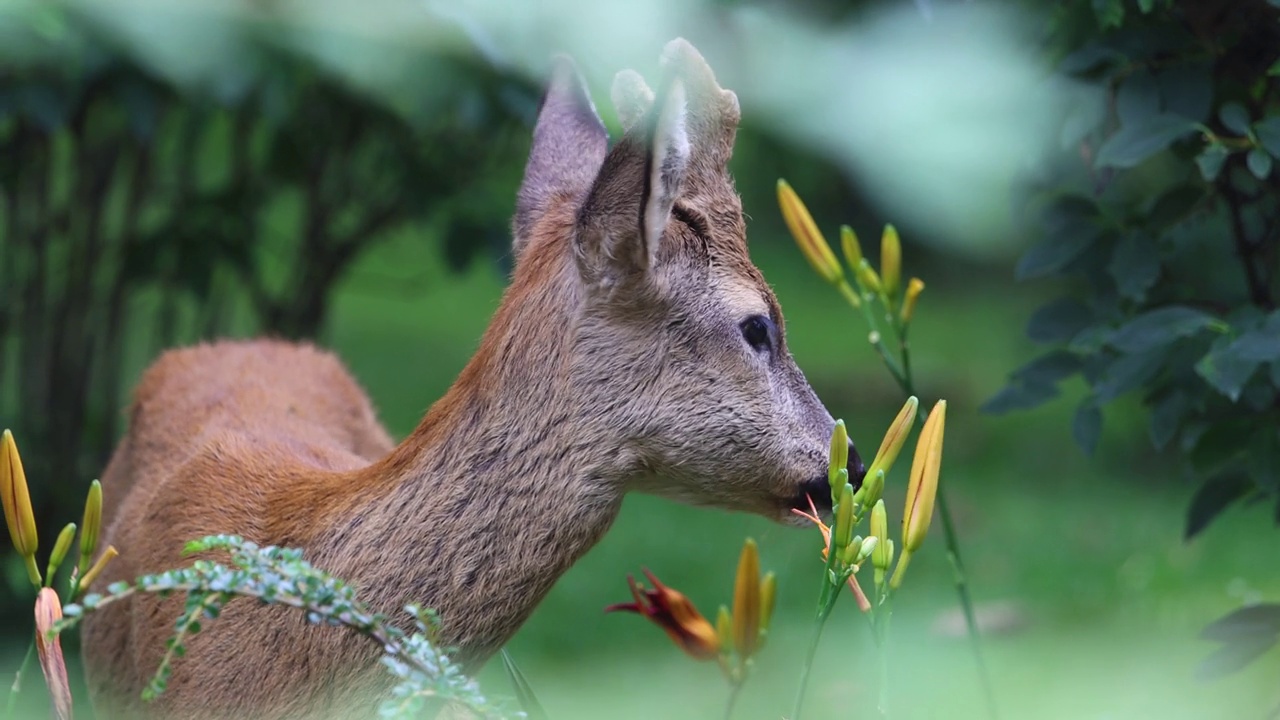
(668, 160)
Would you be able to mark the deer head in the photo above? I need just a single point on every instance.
(680, 343)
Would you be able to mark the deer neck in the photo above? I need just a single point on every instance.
(508, 480)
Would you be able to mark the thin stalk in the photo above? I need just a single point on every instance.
(735, 689)
(826, 602)
(17, 680)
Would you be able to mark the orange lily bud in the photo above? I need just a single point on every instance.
(92, 522)
(48, 612)
(890, 260)
(914, 288)
(60, 548)
(895, 437)
(746, 601)
(812, 244)
(922, 489)
(18, 515)
(87, 579)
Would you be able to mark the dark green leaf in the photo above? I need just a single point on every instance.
(1089, 58)
(1048, 369)
(1175, 205)
(1220, 445)
(1086, 428)
(1157, 328)
(1216, 495)
(1225, 370)
(1248, 621)
(1126, 373)
(1134, 143)
(1166, 417)
(1019, 396)
(1259, 163)
(1235, 118)
(1264, 457)
(1058, 321)
(1275, 373)
(1137, 99)
(1110, 13)
(1211, 161)
(1261, 344)
(1234, 656)
(1186, 89)
(1054, 251)
(1135, 265)
(1268, 133)
(1146, 6)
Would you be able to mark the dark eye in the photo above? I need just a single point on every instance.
(757, 330)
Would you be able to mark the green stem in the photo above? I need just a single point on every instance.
(882, 644)
(734, 690)
(819, 623)
(17, 680)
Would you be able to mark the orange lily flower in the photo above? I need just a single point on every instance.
(670, 610)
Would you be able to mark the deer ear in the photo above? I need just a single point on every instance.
(620, 226)
(569, 145)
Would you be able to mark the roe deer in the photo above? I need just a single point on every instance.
(637, 348)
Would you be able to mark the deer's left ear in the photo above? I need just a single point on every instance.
(569, 145)
(621, 224)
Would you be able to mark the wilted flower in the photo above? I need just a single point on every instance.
(48, 612)
(18, 515)
(675, 614)
(922, 489)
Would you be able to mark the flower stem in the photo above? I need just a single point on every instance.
(734, 690)
(819, 623)
(17, 680)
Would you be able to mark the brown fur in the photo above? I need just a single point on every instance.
(614, 363)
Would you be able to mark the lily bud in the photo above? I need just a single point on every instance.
(60, 548)
(18, 516)
(871, 490)
(746, 601)
(849, 555)
(890, 260)
(768, 596)
(87, 579)
(92, 522)
(844, 518)
(724, 629)
(922, 489)
(48, 612)
(852, 249)
(883, 554)
(895, 437)
(914, 288)
(865, 549)
(812, 244)
(868, 278)
(838, 459)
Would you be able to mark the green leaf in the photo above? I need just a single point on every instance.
(1267, 131)
(1186, 89)
(1058, 320)
(1146, 6)
(1109, 13)
(1225, 369)
(1215, 495)
(1235, 118)
(1166, 417)
(1233, 657)
(1049, 368)
(1056, 250)
(1261, 343)
(1135, 265)
(1245, 622)
(1157, 328)
(1211, 161)
(1127, 373)
(1086, 427)
(1137, 99)
(1259, 163)
(1134, 143)
(1019, 396)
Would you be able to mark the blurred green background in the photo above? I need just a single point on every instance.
(346, 172)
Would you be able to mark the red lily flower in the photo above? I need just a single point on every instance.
(675, 614)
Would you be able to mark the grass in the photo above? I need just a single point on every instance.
(1088, 552)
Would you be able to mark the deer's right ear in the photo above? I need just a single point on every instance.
(621, 225)
(569, 145)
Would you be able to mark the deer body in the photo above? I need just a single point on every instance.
(636, 349)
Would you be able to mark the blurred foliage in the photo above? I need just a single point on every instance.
(142, 208)
(1162, 221)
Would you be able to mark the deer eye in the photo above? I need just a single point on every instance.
(757, 330)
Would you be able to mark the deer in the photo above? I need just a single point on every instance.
(636, 349)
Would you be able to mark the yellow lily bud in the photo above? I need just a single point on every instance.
(871, 490)
(724, 630)
(98, 566)
(18, 515)
(914, 288)
(807, 236)
(865, 549)
(883, 554)
(746, 601)
(895, 437)
(48, 612)
(60, 548)
(849, 555)
(922, 489)
(890, 260)
(852, 249)
(844, 518)
(868, 278)
(768, 596)
(838, 459)
(92, 522)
